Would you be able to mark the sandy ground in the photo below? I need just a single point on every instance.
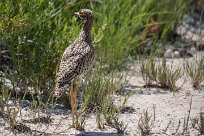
(169, 107)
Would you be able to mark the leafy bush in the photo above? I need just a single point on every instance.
(125, 22)
(35, 33)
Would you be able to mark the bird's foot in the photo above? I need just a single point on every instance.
(79, 127)
(73, 126)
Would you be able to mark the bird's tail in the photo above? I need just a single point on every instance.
(59, 90)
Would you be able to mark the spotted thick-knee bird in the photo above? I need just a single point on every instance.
(77, 59)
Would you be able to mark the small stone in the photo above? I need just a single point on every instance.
(168, 53)
(193, 30)
(183, 31)
(193, 50)
(2, 122)
(178, 30)
(198, 31)
(189, 54)
(8, 83)
(25, 103)
(187, 27)
(189, 20)
(195, 38)
(184, 23)
(202, 32)
(189, 35)
(1, 74)
(132, 68)
(10, 103)
(176, 54)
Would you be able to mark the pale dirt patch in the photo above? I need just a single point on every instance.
(169, 109)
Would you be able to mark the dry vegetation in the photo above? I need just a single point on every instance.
(161, 75)
(195, 71)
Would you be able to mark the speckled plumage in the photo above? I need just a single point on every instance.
(78, 58)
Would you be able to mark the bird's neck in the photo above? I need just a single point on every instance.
(85, 36)
(88, 25)
(85, 33)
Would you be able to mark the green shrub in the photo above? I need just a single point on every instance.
(35, 33)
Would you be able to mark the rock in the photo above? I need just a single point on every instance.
(10, 103)
(198, 31)
(1, 74)
(189, 54)
(25, 103)
(195, 38)
(2, 122)
(184, 23)
(168, 53)
(189, 20)
(187, 27)
(202, 32)
(193, 30)
(189, 35)
(178, 30)
(183, 31)
(5, 81)
(8, 83)
(193, 50)
(176, 54)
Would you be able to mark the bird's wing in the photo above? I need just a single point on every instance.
(70, 63)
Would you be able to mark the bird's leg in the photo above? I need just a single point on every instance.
(76, 87)
(72, 103)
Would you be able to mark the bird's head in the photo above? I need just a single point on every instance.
(85, 14)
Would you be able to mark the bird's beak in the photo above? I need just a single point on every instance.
(76, 13)
(79, 15)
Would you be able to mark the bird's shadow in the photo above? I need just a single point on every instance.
(99, 134)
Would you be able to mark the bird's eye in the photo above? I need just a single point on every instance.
(81, 13)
